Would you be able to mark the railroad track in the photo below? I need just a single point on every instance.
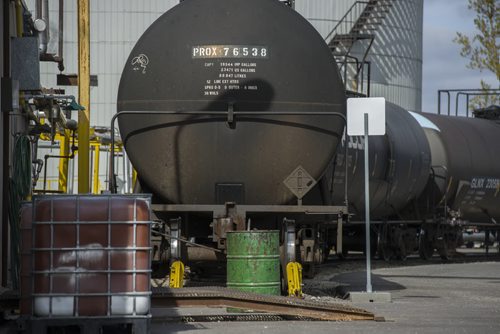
(357, 260)
(277, 305)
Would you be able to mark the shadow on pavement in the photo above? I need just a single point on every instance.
(356, 281)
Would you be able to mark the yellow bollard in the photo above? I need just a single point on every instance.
(294, 275)
(177, 275)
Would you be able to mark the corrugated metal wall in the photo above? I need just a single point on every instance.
(396, 55)
(116, 25)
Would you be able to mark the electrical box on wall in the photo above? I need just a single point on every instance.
(26, 62)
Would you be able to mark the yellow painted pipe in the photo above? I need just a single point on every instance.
(134, 178)
(19, 19)
(63, 162)
(84, 96)
(96, 186)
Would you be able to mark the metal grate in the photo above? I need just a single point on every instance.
(257, 302)
(242, 317)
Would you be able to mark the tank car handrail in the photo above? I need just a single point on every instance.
(467, 92)
(112, 183)
(467, 96)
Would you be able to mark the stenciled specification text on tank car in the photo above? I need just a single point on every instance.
(230, 67)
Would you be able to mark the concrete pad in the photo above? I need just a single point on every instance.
(370, 297)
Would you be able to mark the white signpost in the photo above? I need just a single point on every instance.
(366, 117)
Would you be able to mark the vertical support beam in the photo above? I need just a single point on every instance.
(5, 62)
(63, 162)
(84, 96)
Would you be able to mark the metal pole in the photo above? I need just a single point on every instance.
(124, 172)
(439, 102)
(5, 142)
(71, 175)
(127, 176)
(84, 95)
(467, 106)
(367, 212)
(449, 102)
(95, 178)
(60, 44)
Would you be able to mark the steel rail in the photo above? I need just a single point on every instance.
(223, 297)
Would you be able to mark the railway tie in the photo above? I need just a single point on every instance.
(223, 297)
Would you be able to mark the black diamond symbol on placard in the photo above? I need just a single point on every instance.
(299, 182)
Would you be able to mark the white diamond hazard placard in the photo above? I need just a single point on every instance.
(299, 182)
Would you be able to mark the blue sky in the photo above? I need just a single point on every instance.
(443, 67)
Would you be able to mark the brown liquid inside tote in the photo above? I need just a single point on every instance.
(26, 258)
(90, 249)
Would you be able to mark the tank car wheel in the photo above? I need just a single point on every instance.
(400, 246)
(401, 252)
(445, 256)
(384, 251)
(309, 270)
(425, 248)
(443, 249)
(283, 282)
(343, 255)
(326, 254)
(402, 256)
(425, 245)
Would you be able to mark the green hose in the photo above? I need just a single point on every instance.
(19, 190)
(22, 165)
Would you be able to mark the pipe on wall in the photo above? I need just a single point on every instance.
(42, 13)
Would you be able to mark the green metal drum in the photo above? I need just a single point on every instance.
(253, 261)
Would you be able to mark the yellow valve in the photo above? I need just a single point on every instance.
(177, 275)
(294, 275)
